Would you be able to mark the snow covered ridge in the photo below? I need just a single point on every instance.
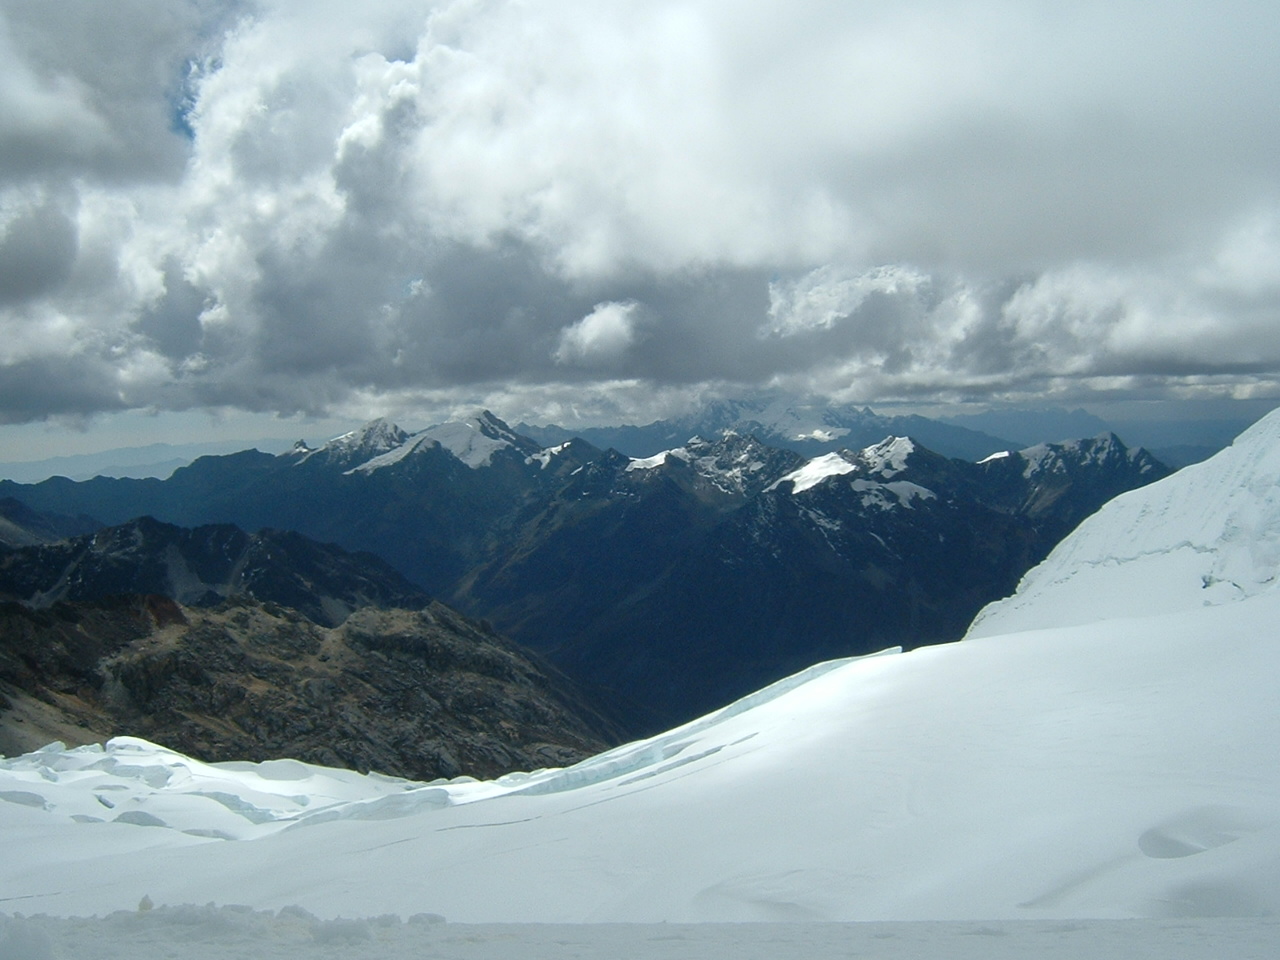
(380, 443)
(882, 460)
(735, 464)
(1092, 451)
(1206, 535)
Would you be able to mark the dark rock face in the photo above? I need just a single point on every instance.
(421, 694)
(20, 526)
(894, 546)
(203, 566)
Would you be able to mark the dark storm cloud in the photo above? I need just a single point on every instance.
(318, 207)
(37, 251)
(70, 386)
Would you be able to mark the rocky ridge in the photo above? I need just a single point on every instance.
(414, 693)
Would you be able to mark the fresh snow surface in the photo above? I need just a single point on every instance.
(888, 457)
(1207, 535)
(1026, 793)
(998, 455)
(1118, 769)
(814, 472)
(658, 459)
(212, 933)
(548, 454)
(466, 441)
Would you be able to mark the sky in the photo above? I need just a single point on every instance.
(270, 211)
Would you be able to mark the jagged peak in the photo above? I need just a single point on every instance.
(888, 457)
(1059, 456)
(488, 420)
(376, 436)
(1207, 534)
(476, 439)
(813, 472)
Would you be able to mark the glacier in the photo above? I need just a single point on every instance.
(1100, 748)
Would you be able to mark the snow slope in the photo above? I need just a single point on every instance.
(1207, 535)
(1110, 763)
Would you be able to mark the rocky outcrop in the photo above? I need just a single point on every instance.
(420, 694)
(206, 565)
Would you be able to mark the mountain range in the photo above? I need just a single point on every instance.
(677, 581)
(1100, 745)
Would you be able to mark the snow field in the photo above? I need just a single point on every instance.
(1124, 769)
(226, 933)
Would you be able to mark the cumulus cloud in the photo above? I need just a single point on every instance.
(603, 335)
(285, 207)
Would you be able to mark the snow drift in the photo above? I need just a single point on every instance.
(1106, 749)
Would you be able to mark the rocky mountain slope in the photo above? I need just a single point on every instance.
(846, 554)
(20, 526)
(414, 693)
(205, 565)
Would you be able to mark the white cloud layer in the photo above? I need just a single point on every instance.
(286, 207)
(602, 335)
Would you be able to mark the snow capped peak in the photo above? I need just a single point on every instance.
(888, 457)
(815, 471)
(736, 464)
(379, 434)
(473, 441)
(658, 459)
(364, 443)
(1208, 534)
